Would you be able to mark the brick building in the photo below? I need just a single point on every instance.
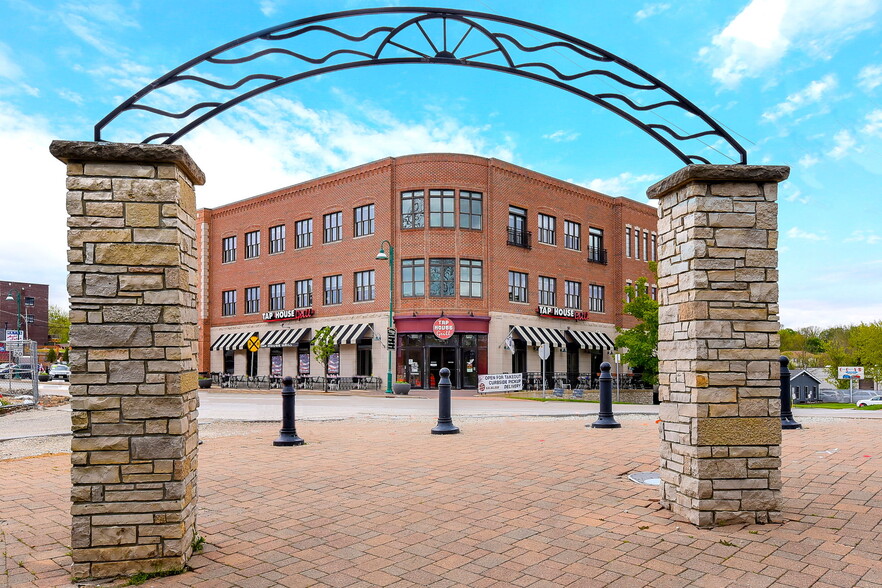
(511, 257)
(25, 307)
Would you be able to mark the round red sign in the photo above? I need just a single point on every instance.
(443, 328)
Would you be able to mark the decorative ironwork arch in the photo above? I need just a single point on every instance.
(426, 35)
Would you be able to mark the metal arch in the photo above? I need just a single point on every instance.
(371, 45)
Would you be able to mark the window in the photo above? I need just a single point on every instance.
(413, 277)
(333, 290)
(228, 306)
(441, 213)
(627, 241)
(277, 296)
(304, 293)
(413, 210)
(471, 209)
(277, 239)
(572, 235)
(517, 227)
(547, 289)
(442, 277)
(364, 220)
(645, 245)
(596, 252)
(304, 233)
(546, 229)
(517, 287)
(229, 246)
(654, 294)
(252, 300)
(470, 278)
(364, 286)
(636, 243)
(333, 227)
(628, 284)
(572, 294)
(653, 250)
(252, 244)
(595, 301)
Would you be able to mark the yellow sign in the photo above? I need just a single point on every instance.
(253, 343)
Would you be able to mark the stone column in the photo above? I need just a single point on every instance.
(132, 287)
(718, 343)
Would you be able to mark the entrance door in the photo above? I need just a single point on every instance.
(441, 357)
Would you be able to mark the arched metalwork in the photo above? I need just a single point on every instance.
(207, 85)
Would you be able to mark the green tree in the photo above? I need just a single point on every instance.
(323, 347)
(51, 356)
(641, 340)
(59, 324)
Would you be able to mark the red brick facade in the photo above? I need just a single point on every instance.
(31, 313)
(501, 185)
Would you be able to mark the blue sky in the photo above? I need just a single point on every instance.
(798, 82)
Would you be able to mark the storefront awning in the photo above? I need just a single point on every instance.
(536, 336)
(283, 337)
(592, 340)
(231, 341)
(348, 334)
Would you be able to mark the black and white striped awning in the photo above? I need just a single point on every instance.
(592, 340)
(283, 337)
(231, 341)
(348, 334)
(536, 336)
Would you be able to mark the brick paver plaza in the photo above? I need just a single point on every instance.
(505, 503)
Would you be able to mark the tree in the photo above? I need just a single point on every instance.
(323, 347)
(59, 324)
(51, 356)
(641, 340)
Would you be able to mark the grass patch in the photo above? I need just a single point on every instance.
(142, 577)
(872, 407)
(838, 405)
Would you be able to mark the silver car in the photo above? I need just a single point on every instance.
(870, 401)
(59, 371)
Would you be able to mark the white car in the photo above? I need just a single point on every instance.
(59, 371)
(870, 401)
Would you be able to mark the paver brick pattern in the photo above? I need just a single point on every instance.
(506, 503)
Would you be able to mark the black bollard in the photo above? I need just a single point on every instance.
(787, 421)
(605, 418)
(288, 432)
(445, 424)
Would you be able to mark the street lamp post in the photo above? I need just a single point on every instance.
(391, 257)
(17, 309)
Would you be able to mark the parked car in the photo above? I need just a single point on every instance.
(5, 368)
(870, 401)
(59, 371)
(24, 371)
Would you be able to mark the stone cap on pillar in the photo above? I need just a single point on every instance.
(718, 173)
(90, 151)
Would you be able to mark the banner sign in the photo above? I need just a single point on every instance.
(557, 312)
(851, 373)
(500, 383)
(288, 315)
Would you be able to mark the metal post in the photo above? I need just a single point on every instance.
(787, 421)
(605, 418)
(445, 424)
(381, 256)
(288, 432)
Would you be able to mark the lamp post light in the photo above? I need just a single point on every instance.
(391, 257)
(17, 299)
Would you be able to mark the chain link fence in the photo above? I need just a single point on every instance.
(19, 382)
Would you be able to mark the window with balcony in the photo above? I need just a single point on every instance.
(333, 290)
(596, 252)
(572, 235)
(364, 220)
(517, 227)
(517, 286)
(572, 294)
(442, 278)
(471, 278)
(303, 229)
(277, 239)
(229, 247)
(595, 300)
(441, 212)
(413, 278)
(228, 303)
(364, 286)
(304, 293)
(333, 227)
(413, 210)
(252, 244)
(252, 300)
(277, 296)
(547, 291)
(471, 210)
(547, 229)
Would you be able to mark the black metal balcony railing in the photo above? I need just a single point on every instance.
(596, 255)
(519, 238)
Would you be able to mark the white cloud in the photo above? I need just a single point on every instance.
(797, 233)
(874, 123)
(561, 136)
(796, 196)
(844, 142)
(269, 7)
(758, 38)
(649, 10)
(808, 160)
(11, 71)
(860, 236)
(624, 184)
(870, 77)
(811, 94)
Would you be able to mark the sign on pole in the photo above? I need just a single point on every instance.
(544, 351)
(851, 373)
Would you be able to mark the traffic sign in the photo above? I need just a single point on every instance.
(253, 343)
(390, 338)
(544, 351)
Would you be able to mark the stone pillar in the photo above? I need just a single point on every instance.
(132, 287)
(718, 343)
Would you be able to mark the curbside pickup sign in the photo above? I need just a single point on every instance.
(851, 373)
(500, 383)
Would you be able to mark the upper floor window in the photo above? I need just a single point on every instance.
(364, 286)
(441, 213)
(252, 244)
(364, 220)
(653, 248)
(304, 293)
(629, 285)
(572, 235)
(595, 298)
(252, 300)
(654, 292)
(277, 239)
(572, 294)
(471, 210)
(333, 289)
(517, 286)
(229, 247)
(517, 227)
(596, 252)
(470, 278)
(277, 296)
(627, 241)
(228, 304)
(636, 243)
(442, 277)
(547, 229)
(303, 230)
(413, 277)
(646, 245)
(547, 291)
(413, 210)
(333, 227)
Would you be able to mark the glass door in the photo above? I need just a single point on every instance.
(442, 357)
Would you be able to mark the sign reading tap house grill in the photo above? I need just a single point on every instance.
(288, 315)
(567, 313)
